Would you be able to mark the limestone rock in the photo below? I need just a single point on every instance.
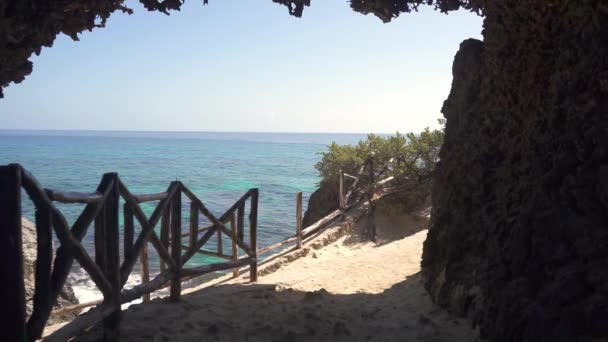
(519, 232)
(66, 296)
(321, 203)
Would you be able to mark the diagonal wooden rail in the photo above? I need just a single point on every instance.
(109, 274)
(105, 268)
(346, 201)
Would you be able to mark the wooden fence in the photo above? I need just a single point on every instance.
(107, 269)
(346, 200)
(102, 209)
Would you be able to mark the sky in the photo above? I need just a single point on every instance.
(235, 66)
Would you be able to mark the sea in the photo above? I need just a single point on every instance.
(219, 167)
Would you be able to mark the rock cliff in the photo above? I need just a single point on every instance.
(322, 202)
(519, 235)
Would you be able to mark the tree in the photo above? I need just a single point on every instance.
(410, 159)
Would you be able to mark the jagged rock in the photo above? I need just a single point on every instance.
(519, 232)
(322, 202)
(66, 296)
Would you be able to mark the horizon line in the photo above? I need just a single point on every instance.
(157, 131)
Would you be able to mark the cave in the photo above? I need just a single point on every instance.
(519, 234)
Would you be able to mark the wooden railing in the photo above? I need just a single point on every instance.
(106, 269)
(346, 200)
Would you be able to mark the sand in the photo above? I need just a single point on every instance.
(349, 290)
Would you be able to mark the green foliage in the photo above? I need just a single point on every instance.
(410, 158)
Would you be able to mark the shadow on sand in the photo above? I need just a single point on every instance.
(390, 227)
(274, 312)
(254, 312)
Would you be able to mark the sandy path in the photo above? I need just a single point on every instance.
(348, 268)
(347, 291)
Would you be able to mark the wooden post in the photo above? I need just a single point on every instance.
(240, 222)
(164, 234)
(220, 247)
(235, 251)
(43, 296)
(100, 239)
(112, 262)
(145, 266)
(299, 219)
(193, 225)
(341, 191)
(372, 206)
(253, 224)
(100, 258)
(176, 250)
(129, 231)
(12, 292)
(145, 269)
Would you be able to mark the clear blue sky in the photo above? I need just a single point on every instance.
(236, 66)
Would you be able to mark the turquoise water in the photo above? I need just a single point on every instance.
(218, 167)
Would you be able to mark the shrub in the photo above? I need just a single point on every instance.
(409, 158)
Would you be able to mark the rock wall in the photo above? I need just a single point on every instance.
(322, 202)
(66, 296)
(519, 235)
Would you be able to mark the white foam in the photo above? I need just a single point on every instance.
(86, 291)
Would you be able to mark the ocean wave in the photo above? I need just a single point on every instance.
(86, 291)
